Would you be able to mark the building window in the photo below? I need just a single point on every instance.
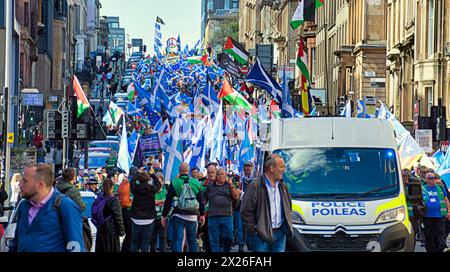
(429, 95)
(210, 5)
(64, 40)
(235, 4)
(431, 28)
(314, 62)
(26, 14)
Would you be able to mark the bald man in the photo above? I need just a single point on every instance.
(184, 219)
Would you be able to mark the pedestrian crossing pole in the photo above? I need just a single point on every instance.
(65, 125)
(7, 91)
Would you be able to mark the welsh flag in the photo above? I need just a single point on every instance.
(319, 3)
(82, 101)
(233, 96)
(236, 51)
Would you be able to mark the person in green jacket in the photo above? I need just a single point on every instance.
(66, 186)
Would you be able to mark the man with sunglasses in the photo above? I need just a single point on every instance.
(438, 212)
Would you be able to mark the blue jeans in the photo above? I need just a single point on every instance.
(140, 237)
(179, 225)
(220, 229)
(277, 245)
(239, 234)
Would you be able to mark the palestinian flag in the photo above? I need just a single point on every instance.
(131, 92)
(198, 60)
(82, 101)
(319, 3)
(298, 18)
(236, 51)
(305, 11)
(275, 111)
(234, 97)
(302, 60)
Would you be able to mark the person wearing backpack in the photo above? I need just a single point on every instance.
(143, 211)
(107, 217)
(66, 187)
(220, 195)
(126, 198)
(41, 227)
(185, 215)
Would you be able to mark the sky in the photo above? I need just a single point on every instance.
(138, 17)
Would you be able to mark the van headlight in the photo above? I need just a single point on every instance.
(297, 218)
(395, 215)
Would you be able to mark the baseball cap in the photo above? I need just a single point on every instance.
(211, 163)
(248, 163)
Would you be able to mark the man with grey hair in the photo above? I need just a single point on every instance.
(47, 221)
(266, 208)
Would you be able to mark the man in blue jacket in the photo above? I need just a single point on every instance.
(47, 221)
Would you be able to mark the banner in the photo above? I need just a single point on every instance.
(424, 137)
(150, 145)
(225, 62)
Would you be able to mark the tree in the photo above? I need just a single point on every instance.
(221, 31)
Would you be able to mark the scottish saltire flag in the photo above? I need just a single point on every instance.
(384, 113)
(347, 111)
(438, 158)
(361, 110)
(258, 76)
(132, 110)
(216, 137)
(124, 161)
(198, 155)
(287, 111)
(144, 98)
(174, 153)
(409, 152)
(132, 143)
(314, 112)
(247, 149)
(164, 133)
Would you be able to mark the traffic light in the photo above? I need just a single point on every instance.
(73, 120)
(145, 48)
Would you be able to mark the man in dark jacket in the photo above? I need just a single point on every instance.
(66, 187)
(266, 208)
(40, 226)
(182, 219)
(143, 210)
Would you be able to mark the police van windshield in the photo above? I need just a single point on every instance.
(341, 173)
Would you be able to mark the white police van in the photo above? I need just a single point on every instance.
(345, 181)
